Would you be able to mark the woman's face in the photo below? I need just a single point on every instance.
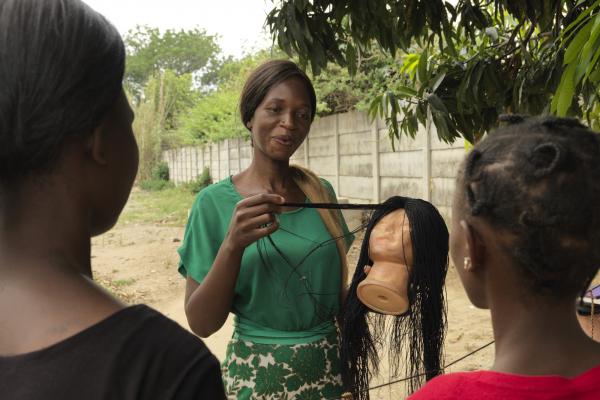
(121, 156)
(281, 122)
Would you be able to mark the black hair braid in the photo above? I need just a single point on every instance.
(415, 338)
(357, 344)
(538, 180)
(430, 240)
(511, 118)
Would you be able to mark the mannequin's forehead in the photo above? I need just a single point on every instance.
(394, 220)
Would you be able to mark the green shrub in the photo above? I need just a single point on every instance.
(160, 172)
(201, 181)
(154, 185)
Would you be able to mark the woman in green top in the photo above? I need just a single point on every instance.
(281, 276)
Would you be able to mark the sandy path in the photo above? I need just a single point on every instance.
(139, 264)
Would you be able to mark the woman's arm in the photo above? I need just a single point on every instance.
(207, 304)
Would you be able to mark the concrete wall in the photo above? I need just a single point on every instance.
(356, 156)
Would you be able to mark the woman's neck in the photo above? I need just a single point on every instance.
(271, 176)
(45, 231)
(541, 338)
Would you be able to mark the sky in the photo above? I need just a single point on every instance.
(239, 23)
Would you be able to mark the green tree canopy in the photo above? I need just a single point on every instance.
(150, 51)
(215, 115)
(463, 62)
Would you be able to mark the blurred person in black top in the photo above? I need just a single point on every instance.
(68, 159)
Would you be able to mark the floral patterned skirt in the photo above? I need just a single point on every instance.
(271, 371)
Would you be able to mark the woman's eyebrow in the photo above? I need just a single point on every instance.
(277, 99)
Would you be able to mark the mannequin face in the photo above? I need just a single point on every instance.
(390, 248)
(390, 240)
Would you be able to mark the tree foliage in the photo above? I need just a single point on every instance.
(581, 75)
(215, 115)
(164, 99)
(462, 63)
(149, 52)
(163, 77)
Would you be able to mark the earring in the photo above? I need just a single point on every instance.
(467, 264)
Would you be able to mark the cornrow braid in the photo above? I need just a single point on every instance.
(538, 180)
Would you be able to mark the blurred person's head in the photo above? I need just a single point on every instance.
(64, 118)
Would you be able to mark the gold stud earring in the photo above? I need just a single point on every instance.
(467, 264)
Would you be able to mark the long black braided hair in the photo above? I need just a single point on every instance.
(415, 338)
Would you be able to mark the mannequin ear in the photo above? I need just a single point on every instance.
(474, 247)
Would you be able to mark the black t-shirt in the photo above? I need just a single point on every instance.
(136, 353)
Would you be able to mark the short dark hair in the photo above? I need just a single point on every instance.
(263, 78)
(538, 180)
(61, 69)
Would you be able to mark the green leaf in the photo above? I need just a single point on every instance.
(591, 50)
(405, 91)
(594, 77)
(374, 107)
(351, 59)
(576, 44)
(422, 67)
(437, 81)
(564, 94)
(441, 126)
(437, 103)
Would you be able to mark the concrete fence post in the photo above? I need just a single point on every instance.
(375, 161)
(239, 149)
(203, 162)
(427, 157)
(218, 161)
(188, 164)
(336, 151)
(198, 159)
(181, 163)
(228, 158)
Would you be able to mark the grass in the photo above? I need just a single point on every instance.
(123, 282)
(168, 207)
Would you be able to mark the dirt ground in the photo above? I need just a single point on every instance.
(138, 262)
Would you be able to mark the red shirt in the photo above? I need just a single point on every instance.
(484, 385)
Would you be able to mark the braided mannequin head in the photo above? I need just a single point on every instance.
(415, 338)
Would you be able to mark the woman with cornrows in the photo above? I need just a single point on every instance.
(525, 241)
(275, 268)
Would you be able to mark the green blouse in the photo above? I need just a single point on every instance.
(288, 296)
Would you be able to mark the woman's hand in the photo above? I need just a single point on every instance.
(253, 218)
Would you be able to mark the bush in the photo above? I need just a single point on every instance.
(161, 171)
(154, 185)
(201, 181)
